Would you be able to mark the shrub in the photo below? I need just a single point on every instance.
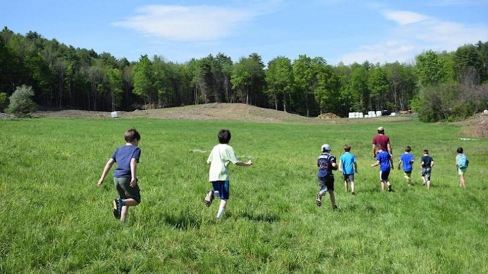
(21, 102)
(3, 101)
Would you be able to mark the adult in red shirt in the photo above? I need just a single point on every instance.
(382, 140)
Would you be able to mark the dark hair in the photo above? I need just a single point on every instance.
(426, 151)
(347, 148)
(459, 150)
(408, 148)
(131, 135)
(224, 136)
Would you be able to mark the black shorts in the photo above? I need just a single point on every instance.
(326, 183)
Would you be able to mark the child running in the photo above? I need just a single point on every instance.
(426, 164)
(383, 159)
(406, 161)
(218, 174)
(348, 167)
(125, 175)
(326, 163)
(461, 165)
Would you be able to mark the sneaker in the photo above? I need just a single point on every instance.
(389, 188)
(353, 193)
(318, 202)
(334, 207)
(116, 209)
(209, 198)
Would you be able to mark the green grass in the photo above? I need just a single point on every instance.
(55, 219)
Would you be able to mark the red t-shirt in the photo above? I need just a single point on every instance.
(381, 140)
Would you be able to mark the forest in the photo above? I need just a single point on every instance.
(436, 85)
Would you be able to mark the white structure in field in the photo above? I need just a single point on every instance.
(369, 115)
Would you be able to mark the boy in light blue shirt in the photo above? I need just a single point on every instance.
(348, 166)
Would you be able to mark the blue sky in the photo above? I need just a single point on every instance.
(337, 30)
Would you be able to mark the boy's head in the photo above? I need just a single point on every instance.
(325, 148)
(426, 151)
(459, 150)
(132, 135)
(381, 130)
(347, 148)
(408, 149)
(224, 136)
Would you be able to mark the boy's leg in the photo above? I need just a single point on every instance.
(332, 199)
(345, 185)
(223, 204)
(125, 203)
(352, 188)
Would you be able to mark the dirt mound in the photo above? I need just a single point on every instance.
(328, 116)
(214, 111)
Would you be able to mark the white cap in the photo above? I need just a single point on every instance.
(326, 147)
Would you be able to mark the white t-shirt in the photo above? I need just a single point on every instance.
(219, 159)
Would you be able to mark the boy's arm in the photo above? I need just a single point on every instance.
(133, 172)
(399, 163)
(106, 169)
(375, 164)
(355, 167)
(391, 163)
(240, 163)
(340, 165)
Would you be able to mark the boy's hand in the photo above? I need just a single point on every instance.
(133, 182)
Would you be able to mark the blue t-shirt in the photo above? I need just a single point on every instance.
(407, 159)
(324, 163)
(384, 158)
(347, 159)
(122, 156)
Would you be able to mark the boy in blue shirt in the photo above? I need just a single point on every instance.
(125, 175)
(383, 159)
(461, 165)
(326, 163)
(426, 164)
(406, 161)
(348, 166)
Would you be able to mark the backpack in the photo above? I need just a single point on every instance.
(462, 161)
(324, 165)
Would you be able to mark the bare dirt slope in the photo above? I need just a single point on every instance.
(214, 111)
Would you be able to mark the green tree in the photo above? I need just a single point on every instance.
(279, 80)
(379, 86)
(431, 69)
(114, 77)
(21, 102)
(143, 81)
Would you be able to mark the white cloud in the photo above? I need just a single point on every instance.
(193, 23)
(404, 17)
(414, 34)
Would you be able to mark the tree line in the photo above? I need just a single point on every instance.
(439, 86)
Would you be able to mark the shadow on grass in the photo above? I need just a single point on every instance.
(258, 217)
(181, 222)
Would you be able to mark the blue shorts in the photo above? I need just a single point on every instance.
(223, 187)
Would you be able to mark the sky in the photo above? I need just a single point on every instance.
(344, 31)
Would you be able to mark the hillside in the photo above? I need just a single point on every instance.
(213, 111)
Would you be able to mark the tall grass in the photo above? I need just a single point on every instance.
(55, 219)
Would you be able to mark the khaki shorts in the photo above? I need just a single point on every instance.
(125, 190)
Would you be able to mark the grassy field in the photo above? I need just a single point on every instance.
(56, 220)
